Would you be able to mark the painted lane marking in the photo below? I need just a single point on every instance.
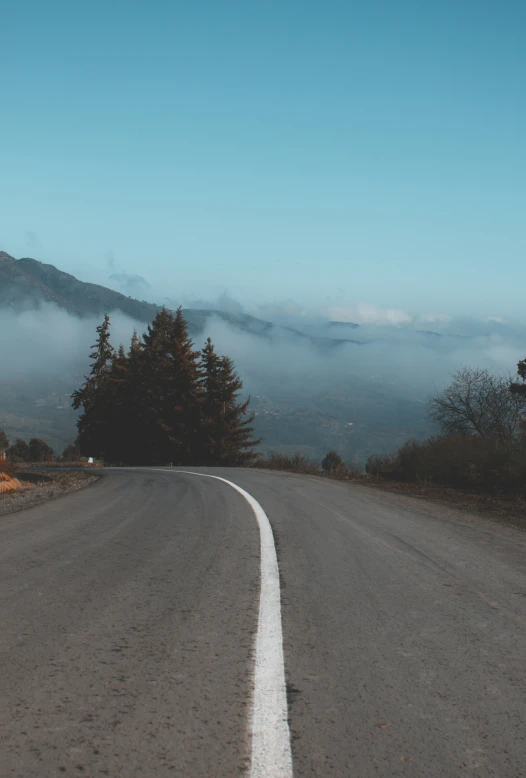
(271, 755)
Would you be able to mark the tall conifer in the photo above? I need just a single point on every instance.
(162, 401)
(170, 391)
(94, 396)
(135, 402)
(226, 423)
(118, 422)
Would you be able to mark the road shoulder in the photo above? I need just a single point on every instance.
(52, 485)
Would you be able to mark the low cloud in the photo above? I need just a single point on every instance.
(224, 303)
(48, 341)
(47, 350)
(131, 284)
(435, 318)
(279, 311)
(366, 313)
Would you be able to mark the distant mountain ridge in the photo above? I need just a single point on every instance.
(27, 283)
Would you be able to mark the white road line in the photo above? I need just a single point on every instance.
(271, 754)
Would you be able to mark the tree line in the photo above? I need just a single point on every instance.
(37, 450)
(161, 401)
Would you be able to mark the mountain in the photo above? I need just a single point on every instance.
(314, 388)
(27, 284)
(300, 399)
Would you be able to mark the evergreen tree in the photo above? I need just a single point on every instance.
(226, 430)
(212, 406)
(134, 403)
(169, 394)
(94, 397)
(117, 429)
(135, 346)
(184, 394)
(162, 401)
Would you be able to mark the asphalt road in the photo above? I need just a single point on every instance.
(129, 610)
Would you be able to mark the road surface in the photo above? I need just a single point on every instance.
(129, 612)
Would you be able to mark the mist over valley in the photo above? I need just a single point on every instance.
(318, 380)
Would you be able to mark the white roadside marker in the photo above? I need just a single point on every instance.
(271, 754)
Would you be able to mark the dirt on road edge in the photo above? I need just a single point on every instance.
(40, 491)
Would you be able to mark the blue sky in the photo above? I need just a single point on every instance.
(329, 152)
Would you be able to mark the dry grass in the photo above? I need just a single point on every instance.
(38, 491)
(511, 510)
(8, 484)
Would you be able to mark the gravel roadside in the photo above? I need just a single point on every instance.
(35, 493)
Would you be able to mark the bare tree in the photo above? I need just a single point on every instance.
(478, 402)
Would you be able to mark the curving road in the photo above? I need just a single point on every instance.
(129, 613)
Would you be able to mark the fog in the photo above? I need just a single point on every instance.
(49, 342)
(311, 389)
(409, 362)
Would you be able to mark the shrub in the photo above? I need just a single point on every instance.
(297, 463)
(460, 461)
(332, 461)
(39, 450)
(300, 464)
(18, 452)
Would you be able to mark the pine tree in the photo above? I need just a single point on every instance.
(162, 401)
(169, 392)
(226, 427)
(210, 432)
(119, 419)
(184, 394)
(135, 345)
(94, 397)
(134, 404)
(150, 385)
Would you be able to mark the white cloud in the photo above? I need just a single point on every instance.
(280, 309)
(435, 318)
(366, 313)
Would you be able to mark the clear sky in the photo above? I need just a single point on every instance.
(349, 151)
